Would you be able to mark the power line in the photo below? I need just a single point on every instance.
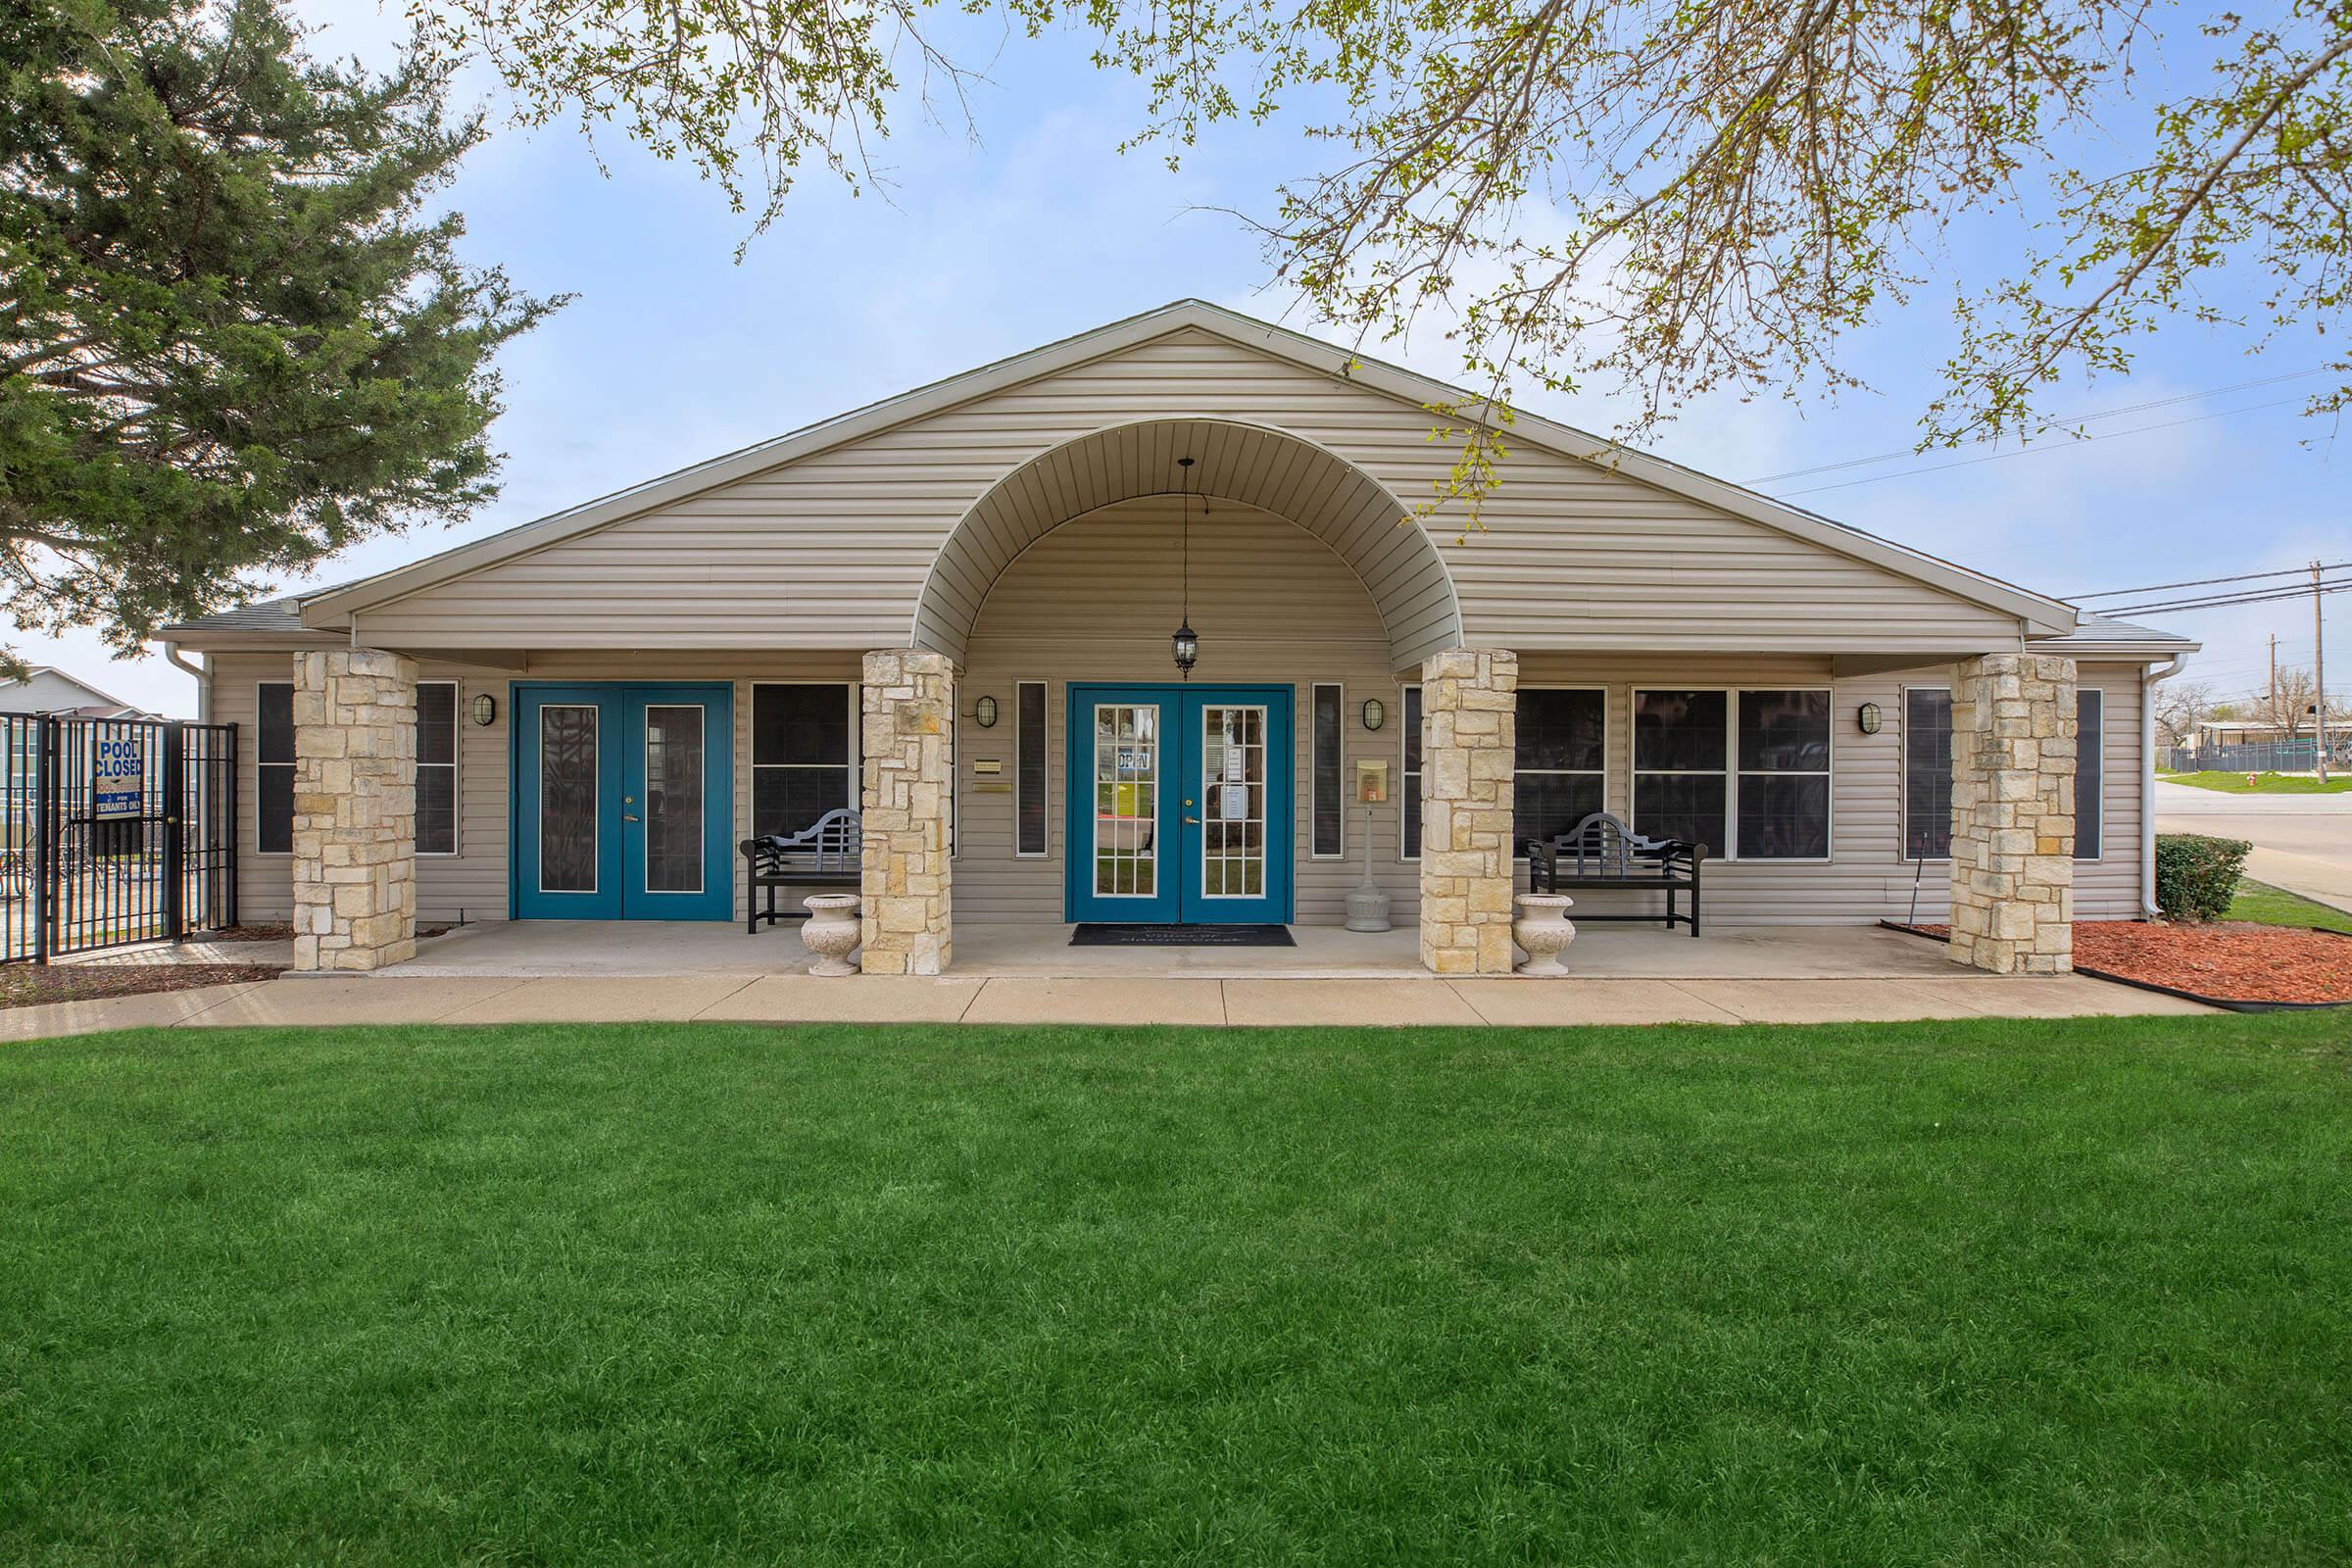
(2029, 452)
(2263, 597)
(2077, 419)
(2203, 582)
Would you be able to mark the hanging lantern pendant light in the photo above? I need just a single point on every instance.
(1185, 645)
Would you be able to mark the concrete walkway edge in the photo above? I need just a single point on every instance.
(1011, 1000)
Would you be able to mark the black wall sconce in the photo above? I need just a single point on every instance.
(485, 709)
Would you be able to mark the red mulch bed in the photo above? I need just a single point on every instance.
(2230, 960)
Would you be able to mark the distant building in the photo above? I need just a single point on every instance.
(50, 690)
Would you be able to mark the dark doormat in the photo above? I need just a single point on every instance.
(1182, 936)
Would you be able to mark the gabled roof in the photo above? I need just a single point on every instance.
(332, 608)
(2101, 634)
(99, 699)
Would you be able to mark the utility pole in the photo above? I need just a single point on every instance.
(2273, 675)
(2318, 668)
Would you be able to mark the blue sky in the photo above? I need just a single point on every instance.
(673, 351)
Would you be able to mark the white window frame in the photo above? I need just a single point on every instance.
(1902, 814)
(1518, 849)
(1265, 746)
(1159, 781)
(287, 853)
(1405, 779)
(751, 747)
(645, 870)
(456, 765)
(1045, 772)
(2099, 849)
(1314, 764)
(596, 815)
(1634, 770)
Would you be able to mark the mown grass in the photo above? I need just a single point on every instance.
(2264, 783)
(2265, 905)
(1939, 1293)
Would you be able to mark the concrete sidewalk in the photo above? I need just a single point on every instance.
(453, 1000)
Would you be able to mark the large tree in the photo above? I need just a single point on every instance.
(233, 341)
(1661, 197)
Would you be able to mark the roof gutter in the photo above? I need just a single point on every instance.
(2148, 681)
(203, 678)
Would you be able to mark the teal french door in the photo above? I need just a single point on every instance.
(1179, 802)
(624, 801)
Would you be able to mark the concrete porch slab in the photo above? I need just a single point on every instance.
(347, 999)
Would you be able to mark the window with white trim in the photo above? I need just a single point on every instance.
(1409, 814)
(1927, 773)
(1030, 813)
(1557, 776)
(274, 768)
(1783, 793)
(1682, 773)
(436, 767)
(2091, 712)
(1328, 804)
(803, 754)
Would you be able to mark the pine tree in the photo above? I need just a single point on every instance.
(233, 341)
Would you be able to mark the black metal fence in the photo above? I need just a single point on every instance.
(118, 830)
(2262, 756)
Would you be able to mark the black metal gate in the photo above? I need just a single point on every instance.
(118, 830)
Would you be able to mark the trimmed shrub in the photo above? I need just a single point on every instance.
(2196, 876)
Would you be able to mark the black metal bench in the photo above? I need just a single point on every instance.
(824, 855)
(1601, 852)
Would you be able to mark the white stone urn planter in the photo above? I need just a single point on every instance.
(1541, 929)
(830, 932)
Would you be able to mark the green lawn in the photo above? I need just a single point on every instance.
(2264, 783)
(1943, 1292)
(2265, 905)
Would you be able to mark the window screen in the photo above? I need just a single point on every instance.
(802, 756)
(1784, 775)
(1556, 779)
(436, 767)
(2089, 715)
(1682, 786)
(1927, 773)
(1413, 773)
(1029, 769)
(274, 770)
(1330, 800)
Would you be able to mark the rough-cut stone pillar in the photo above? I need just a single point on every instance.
(2013, 815)
(355, 809)
(909, 706)
(1469, 740)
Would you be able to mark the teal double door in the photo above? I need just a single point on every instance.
(1179, 804)
(624, 801)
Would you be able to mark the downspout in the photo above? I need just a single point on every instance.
(2149, 678)
(204, 680)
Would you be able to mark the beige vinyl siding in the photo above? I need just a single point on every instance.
(2108, 888)
(1095, 602)
(473, 884)
(1865, 878)
(834, 550)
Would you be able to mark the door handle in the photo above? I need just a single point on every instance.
(1193, 821)
(629, 817)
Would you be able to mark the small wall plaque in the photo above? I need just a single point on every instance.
(987, 766)
(1371, 783)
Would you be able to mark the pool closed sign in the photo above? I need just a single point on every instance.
(120, 788)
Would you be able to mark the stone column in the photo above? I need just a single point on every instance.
(355, 809)
(1469, 743)
(2013, 815)
(909, 703)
